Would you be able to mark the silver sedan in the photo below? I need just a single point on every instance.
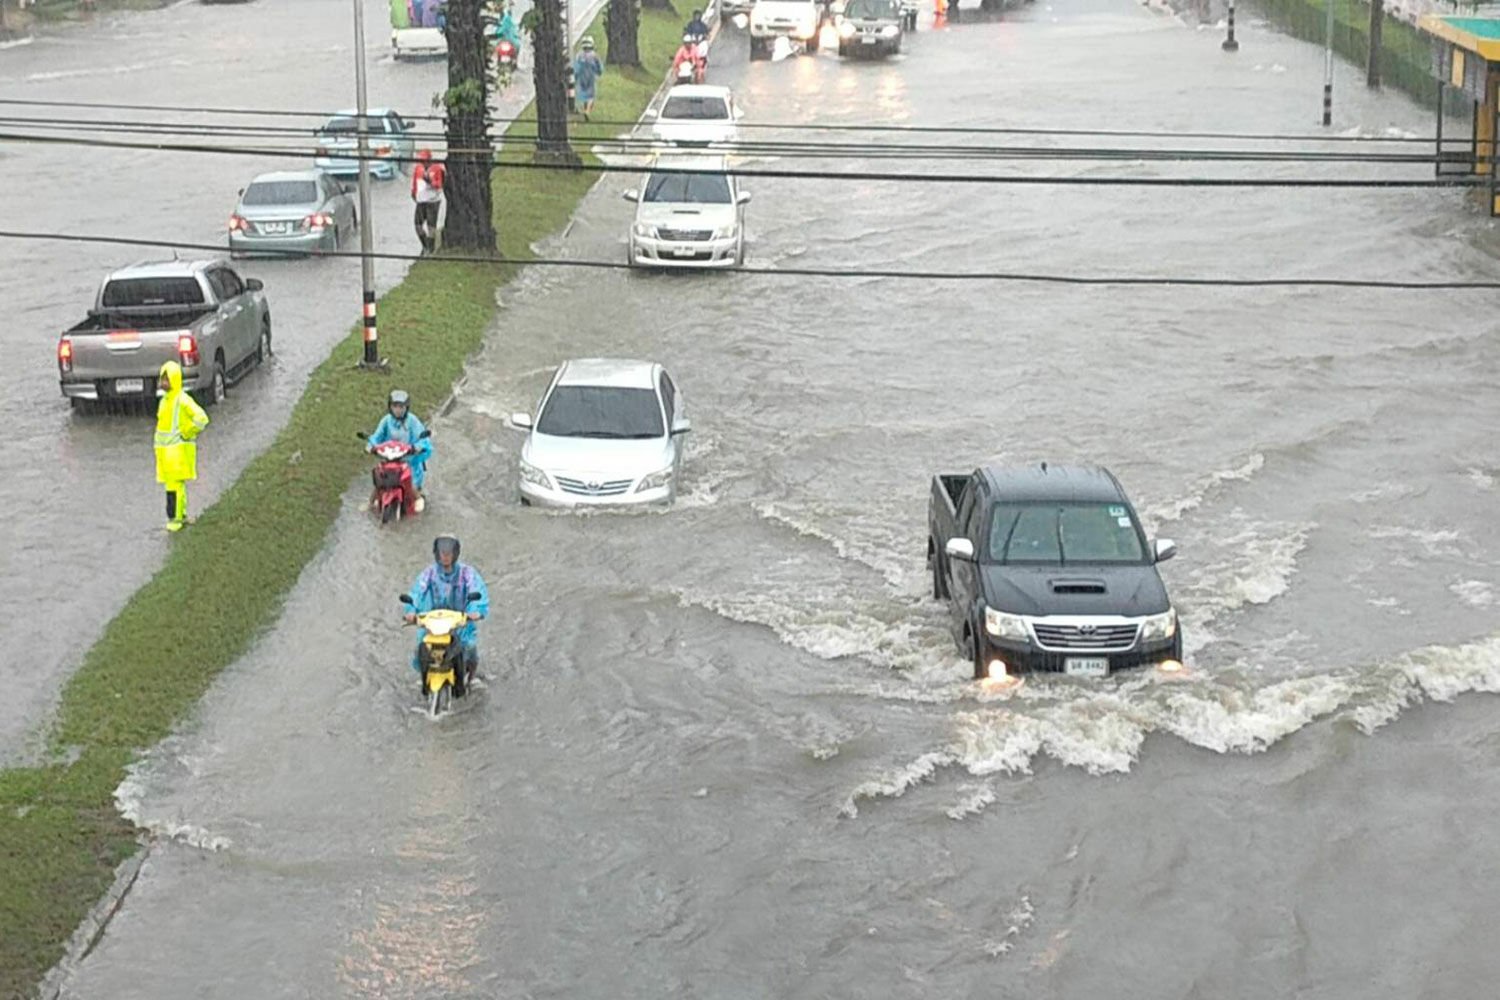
(292, 212)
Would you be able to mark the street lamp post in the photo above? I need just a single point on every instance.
(1328, 67)
(1230, 45)
(366, 229)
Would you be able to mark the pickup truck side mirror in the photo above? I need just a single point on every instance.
(1165, 549)
(960, 548)
(521, 421)
(742, 198)
(254, 284)
(405, 599)
(631, 195)
(681, 425)
(649, 114)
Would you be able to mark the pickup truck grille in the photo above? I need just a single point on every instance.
(684, 235)
(1085, 637)
(594, 487)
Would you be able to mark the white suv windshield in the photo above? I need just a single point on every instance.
(708, 189)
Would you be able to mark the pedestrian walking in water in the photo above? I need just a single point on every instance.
(427, 191)
(179, 420)
(586, 72)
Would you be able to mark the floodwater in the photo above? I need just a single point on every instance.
(730, 750)
(86, 513)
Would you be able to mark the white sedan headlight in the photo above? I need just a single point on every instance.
(1004, 626)
(656, 480)
(1158, 627)
(536, 477)
(890, 31)
(643, 230)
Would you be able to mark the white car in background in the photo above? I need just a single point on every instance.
(689, 213)
(608, 432)
(697, 115)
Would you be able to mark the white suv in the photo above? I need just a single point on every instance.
(689, 213)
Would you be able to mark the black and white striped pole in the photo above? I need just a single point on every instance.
(366, 229)
(1230, 45)
(1328, 67)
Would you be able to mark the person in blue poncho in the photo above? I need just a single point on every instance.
(447, 583)
(400, 424)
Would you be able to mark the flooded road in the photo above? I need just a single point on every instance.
(730, 750)
(86, 512)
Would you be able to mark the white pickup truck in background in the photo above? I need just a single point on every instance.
(796, 20)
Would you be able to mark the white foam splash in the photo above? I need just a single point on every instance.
(1435, 542)
(1021, 917)
(1474, 593)
(1482, 479)
(895, 784)
(973, 802)
(1206, 487)
(130, 799)
(882, 553)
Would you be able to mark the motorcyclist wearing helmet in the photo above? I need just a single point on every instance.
(400, 424)
(447, 583)
(696, 28)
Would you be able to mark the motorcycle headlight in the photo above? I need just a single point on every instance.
(645, 231)
(536, 477)
(846, 29)
(656, 480)
(1004, 626)
(1158, 627)
(890, 31)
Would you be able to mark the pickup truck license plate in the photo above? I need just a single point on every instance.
(124, 386)
(868, 40)
(1086, 666)
(683, 251)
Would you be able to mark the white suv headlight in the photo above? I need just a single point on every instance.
(656, 480)
(536, 477)
(1157, 627)
(1004, 626)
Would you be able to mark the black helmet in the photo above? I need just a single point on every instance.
(446, 543)
(398, 397)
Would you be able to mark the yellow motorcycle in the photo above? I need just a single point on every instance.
(441, 655)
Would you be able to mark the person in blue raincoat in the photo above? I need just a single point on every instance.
(507, 31)
(400, 424)
(447, 584)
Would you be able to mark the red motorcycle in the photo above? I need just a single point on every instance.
(505, 61)
(395, 496)
(690, 65)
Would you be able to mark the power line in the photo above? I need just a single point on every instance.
(784, 149)
(947, 178)
(789, 126)
(1016, 277)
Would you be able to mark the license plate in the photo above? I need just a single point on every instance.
(683, 251)
(1086, 666)
(868, 41)
(274, 227)
(129, 385)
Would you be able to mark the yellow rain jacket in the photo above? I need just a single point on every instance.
(179, 419)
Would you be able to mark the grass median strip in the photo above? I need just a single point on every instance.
(225, 580)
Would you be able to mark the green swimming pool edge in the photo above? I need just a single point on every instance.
(61, 836)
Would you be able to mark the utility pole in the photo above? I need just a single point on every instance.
(1230, 45)
(1328, 67)
(1377, 22)
(362, 129)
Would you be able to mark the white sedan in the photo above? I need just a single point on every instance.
(608, 432)
(697, 115)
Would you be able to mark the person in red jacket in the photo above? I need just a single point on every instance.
(427, 191)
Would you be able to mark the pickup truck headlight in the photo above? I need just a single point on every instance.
(725, 232)
(536, 477)
(890, 31)
(1158, 627)
(644, 231)
(1004, 626)
(656, 480)
(846, 29)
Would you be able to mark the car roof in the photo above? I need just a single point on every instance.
(624, 373)
(354, 113)
(705, 163)
(698, 90)
(1046, 481)
(286, 175)
(162, 269)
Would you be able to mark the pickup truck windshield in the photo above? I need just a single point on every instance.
(696, 108)
(281, 193)
(1062, 533)
(601, 412)
(873, 10)
(703, 189)
(125, 293)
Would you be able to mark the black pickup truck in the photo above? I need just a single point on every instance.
(1046, 568)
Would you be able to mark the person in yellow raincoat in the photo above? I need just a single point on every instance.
(179, 420)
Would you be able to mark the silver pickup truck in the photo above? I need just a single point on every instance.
(199, 313)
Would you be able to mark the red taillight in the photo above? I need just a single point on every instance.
(187, 349)
(505, 50)
(318, 220)
(238, 224)
(65, 355)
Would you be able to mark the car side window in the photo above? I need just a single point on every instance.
(228, 283)
(966, 510)
(669, 397)
(393, 124)
(217, 284)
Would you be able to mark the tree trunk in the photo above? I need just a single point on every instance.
(621, 26)
(471, 222)
(550, 70)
